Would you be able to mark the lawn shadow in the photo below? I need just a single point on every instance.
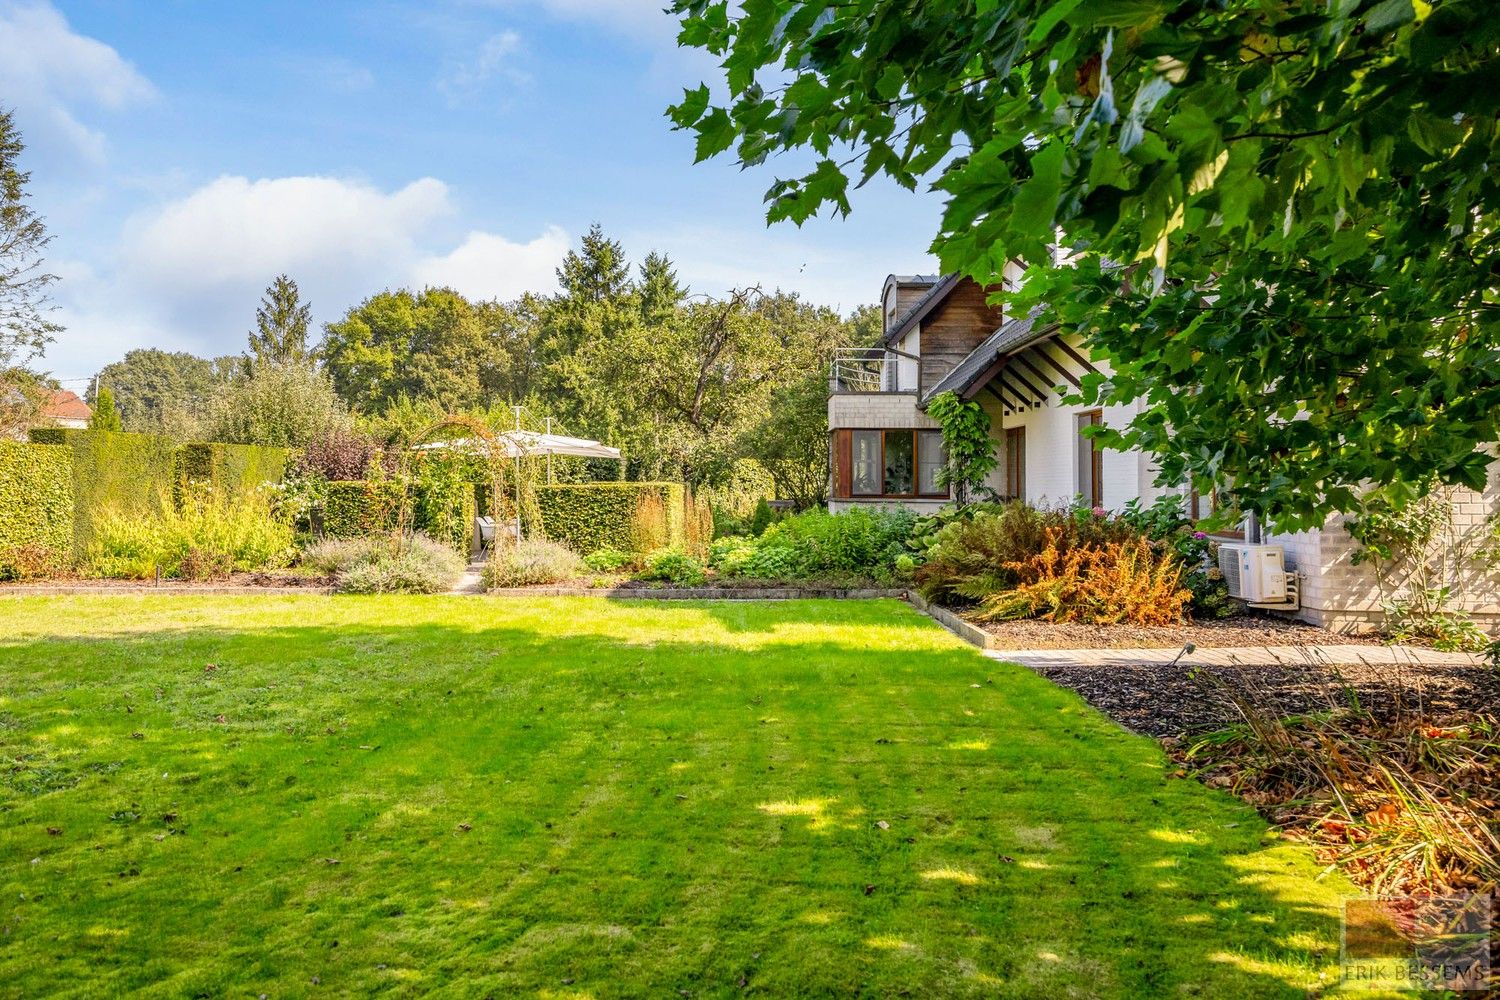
(812, 798)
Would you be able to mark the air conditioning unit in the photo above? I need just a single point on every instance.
(1255, 573)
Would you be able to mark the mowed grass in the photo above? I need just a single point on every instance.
(305, 795)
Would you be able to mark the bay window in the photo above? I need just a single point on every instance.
(881, 464)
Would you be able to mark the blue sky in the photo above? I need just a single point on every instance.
(183, 153)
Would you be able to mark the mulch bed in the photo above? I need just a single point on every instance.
(1169, 701)
(1241, 630)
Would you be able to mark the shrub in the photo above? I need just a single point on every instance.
(36, 507)
(762, 517)
(675, 566)
(969, 556)
(414, 564)
(1117, 583)
(608, 560)
(29, 561)
(207, 538)
(591, 516)
(338, 454)
(532, 561)
(859, 541)
(816, 544)
(648, 524)
(361, 507)
(697, 525)
(331, 556)
(284, 405)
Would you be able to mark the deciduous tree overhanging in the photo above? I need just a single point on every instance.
(1277, 221)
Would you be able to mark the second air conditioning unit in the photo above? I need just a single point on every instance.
(1255, 573)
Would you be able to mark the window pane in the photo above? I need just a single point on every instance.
(898, 462)
(865, 448)
(930, 456)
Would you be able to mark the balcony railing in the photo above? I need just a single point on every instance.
(873, 369)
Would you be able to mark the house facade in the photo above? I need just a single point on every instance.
(940, 334)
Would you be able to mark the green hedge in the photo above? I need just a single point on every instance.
(136, 474)
(358, 507)
(445, 513)
(132, 474)
(591, 516)
(232, 469)
(36, 500)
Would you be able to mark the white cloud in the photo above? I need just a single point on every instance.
(497, 57)
(487, 266)
(51, 75)
(187, 275)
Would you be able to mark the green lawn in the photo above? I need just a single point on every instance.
(305, 795)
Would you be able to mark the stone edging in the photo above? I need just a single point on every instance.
(70, 589)
(967, 631)
(629, 593)
(706, 593)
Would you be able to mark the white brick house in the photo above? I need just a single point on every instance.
(941, 334)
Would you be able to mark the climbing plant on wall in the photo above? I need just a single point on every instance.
(967, 444)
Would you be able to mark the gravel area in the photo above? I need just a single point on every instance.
(1169, 701)
(1241, 630)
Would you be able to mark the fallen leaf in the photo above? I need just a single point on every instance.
(869, 890)
(883, 824)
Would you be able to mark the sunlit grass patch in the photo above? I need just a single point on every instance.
(584, 797)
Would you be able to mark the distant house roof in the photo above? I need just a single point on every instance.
(64, 404)
(978, 365)
(922, 307)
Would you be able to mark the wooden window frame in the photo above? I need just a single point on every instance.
(1015, 466)
(1096, 456)
(843, 464)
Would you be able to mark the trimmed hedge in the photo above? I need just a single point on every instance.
(131, 474)
(231, 469)
(136, 474)
(587, 517)
(445, 514)
(358, 507)
(36, 501)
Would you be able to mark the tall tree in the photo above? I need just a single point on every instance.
(432, 344)
(163, 392)
(106, 417)
(660, 291)
(24, 326)
(1278, 221)
(280, 334)
(597, 271)
(285, 405)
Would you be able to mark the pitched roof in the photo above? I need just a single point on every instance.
(1013, 336)
(64, 404)
(921, 308)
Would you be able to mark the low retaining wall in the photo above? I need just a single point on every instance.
(967, 631)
